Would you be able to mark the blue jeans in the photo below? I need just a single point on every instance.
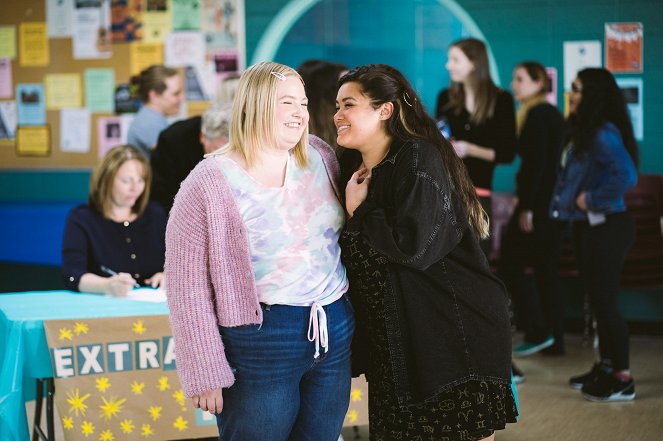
(281, 393)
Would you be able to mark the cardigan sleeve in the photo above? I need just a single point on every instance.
(75, 244)
(201, 361)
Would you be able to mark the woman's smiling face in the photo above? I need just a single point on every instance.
(357, 121)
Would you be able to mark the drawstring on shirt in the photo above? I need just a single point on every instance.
(317, 328)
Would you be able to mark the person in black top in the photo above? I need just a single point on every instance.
(181, 146)
(433, 333)
(116, 240)
(321, 83)
(532, 238)
(479, 115)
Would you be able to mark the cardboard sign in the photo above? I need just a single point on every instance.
(115, 378)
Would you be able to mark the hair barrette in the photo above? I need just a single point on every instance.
(278, 75)
(406, 96)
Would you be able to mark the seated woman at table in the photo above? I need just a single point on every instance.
(116, 240)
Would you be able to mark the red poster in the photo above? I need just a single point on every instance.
(623, 47)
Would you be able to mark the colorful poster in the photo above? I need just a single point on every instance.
(109, 134)
(33, 141)
(143, 55)
(33, 44)
(157, 20)
(115, 379)
(7, 119)
(126, 20)
(623, 47)
(75, 130)
(100, 90)
(632, 90)
(6, 84)
(91, 35)
(30, 104)
(63, 90)
(186, 15)
(223, 23)
(8, 42)
(577, 56)
(59, 18)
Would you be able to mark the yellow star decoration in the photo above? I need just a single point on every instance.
(139, 327)
(155, 412)
(77, 402)
(179, 397)
(103, 383)
(68, 423)
(127, 426)
(181, 424)
(146, 430)
(106, 435)
(87, 428)
(137, 388)
(163, 383)
(111, 407)
(81, 328)
(65, 334)
(355, 395)
(352, 415)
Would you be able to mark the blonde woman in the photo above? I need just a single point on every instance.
(116, 240)
(256, 290)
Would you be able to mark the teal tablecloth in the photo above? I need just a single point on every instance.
(24, 353)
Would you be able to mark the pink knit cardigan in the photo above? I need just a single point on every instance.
(209, 277)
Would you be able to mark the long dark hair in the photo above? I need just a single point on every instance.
(320, 80)
(485, 90)
(602, 101)
(383, 84)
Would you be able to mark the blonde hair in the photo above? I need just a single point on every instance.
(101, 182)
(253, 119)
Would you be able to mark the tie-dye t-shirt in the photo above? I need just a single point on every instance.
(293, 233)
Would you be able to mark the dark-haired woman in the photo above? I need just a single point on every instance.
(321, 83)
(598, 166)
(433, 332)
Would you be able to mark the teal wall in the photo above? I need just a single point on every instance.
(515, 29)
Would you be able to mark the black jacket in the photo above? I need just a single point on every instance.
(446, 313)
(177, 152)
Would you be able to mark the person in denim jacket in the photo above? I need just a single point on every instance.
(433, 334)
(598, 166)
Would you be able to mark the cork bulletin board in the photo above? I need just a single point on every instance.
(76, 66)
(61, 61)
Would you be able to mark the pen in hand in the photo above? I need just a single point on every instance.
(110, 272)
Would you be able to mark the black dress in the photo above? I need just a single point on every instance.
(467, 411)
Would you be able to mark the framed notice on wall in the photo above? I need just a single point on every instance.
(623, 47)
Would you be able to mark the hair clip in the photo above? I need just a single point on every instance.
(278, 75)
(405, 98)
